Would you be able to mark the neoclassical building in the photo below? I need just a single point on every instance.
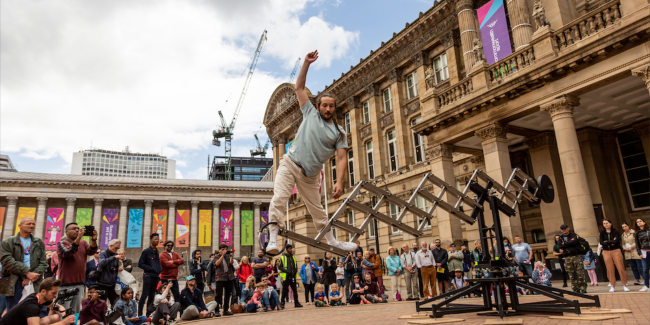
(572, 101)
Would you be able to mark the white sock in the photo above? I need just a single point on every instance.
(330, 237)
(273, 233)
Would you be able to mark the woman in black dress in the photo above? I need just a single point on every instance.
(329, 272)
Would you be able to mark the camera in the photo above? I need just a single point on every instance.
(62, 296)
(101, 292)
(89, 230)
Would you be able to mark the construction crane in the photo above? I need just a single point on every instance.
(296, 67)
(225, 131)
(259, 150)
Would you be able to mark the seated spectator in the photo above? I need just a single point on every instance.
(541, 275)
(257, 301)
(93, 309)
(29, 310)
(459, 281)
(320, 298)
(192, 304)
(358, 292)
(166, 309)
(248, 290)
(271, 298)
(335, 296)
(129, 308)
(372, 291)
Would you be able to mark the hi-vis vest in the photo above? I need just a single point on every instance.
(283, 259)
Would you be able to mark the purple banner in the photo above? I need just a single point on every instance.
(264, 221)
(109, 227)
(494, 31)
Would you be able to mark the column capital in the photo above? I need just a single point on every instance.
(442, 150)
(643, 73)
(124, 202)
(642, 128)
(148, 203)
(195, 203)
(98, 200)
(464, 4)
(13, 200)
(71, 201)
(561, 106)
(257, 203)
(41, 200)
(395, 75)
(353, 102)
(237, 204)
(216, 203)
(172, 203)
(541, 140)
(491, 131)
(372, 89)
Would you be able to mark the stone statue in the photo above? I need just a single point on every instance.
(478, 51)
(430, 79)
(539, 14)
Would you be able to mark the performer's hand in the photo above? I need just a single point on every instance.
(311, 57)
(337, 190)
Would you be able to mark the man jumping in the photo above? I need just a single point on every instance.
(318, 137)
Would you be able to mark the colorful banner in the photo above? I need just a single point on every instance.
(109, 227)
(247, 228)
(160, 225)
(24, 213)
(134, 235)
(226, 227)
(84, 218)
(2, 218)
(494, 31)
(264, 221)
(53, 227)
(182, 228)
(205, 227)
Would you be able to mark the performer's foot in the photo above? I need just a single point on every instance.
(344, 245)
(272, 247)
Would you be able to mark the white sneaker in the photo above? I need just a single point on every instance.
(273, 248)
(626, 289)
(612, 289)
(609, 285)
(344, 245)
(644, 289)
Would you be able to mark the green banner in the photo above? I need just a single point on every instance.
(85, 218)
(247, 228)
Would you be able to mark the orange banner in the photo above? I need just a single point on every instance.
(182, 228)
(160, 225)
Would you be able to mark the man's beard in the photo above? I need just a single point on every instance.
(325, 117)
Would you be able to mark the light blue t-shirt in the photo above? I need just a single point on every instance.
(315, 142)
(521, 251)
(27, 247)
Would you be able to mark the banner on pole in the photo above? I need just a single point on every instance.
(2, 218)
(182, 228)
(134, 236)
(53, 227)
(22, 214)
(247, 228)
(494, 31)
(84, 218)
(264, 221)
(205, 227)
(160, 225)
(226, 227)
(109, 227)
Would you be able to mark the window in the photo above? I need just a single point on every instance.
(333, 165)
(440, 67)
(352, 222)
(635, 168)
(392, 150)
(388, 105)
(351, 167)
(366, 113)
(538, 236)
(371, 161)
(418, 141)
(412, 85)
(422, 204)
(335, 233)
(371, 229)
(347, 123)
(394, 213)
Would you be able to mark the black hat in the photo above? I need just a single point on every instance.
(564, 227)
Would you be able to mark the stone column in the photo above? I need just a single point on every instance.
(522, 30)
(69, 211)
(469, 30)
(124, 220)
(216, 225)
(236, 228)
(10, 217)
(573, 169)
(148, 218)
(257, 216)
(379, 151)
(194, 226)
(97, 214)
(442, 167)
(497, 166)
(171, 222)
(546, 161)
(40, 217)
(281, 143)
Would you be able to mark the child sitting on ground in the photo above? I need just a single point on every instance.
(320, 299)
(335, 296)
(257, 301)
(459, 281)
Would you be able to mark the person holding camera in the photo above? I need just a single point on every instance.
(166, 307)
(170, 261)
(225, 274)
(72, 253)
(93, 309)
(149, 262)
(28, 311)
(109, 266)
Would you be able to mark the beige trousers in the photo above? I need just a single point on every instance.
(288, 176)
(614, 260)
(396, 285)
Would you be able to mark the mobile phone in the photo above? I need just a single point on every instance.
(89, 231)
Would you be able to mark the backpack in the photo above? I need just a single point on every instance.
(349, 266)
(583, 246)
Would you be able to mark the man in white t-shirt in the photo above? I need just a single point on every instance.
(523, 256)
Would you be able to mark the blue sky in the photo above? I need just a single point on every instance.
(152, 75)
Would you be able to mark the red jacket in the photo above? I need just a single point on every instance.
(244, 271)
(170, 265)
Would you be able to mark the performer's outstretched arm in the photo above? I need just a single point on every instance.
(302, 77)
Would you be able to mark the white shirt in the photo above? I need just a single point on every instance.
(423, 259)
(408, 259)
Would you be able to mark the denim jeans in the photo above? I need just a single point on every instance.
(271, 300)
(340, 283)
(244, 293)
(646, 269)
(526, 268)
(637, 268)
(141, 321)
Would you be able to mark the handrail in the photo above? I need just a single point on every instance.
(589, 24)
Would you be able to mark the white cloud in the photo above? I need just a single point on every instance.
(178, 174)
(150, 75)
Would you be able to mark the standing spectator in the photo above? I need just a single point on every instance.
(410, 273)
(166, 307)
(129, 308)
(375, 259)
(149, 263)
(243, 273)
(51, 266)
(192, 304)
(610, 239)
(93, 309)
(288, 270)
(419, 272)
(359, 248)
(477, 253)
(308, 278)
(467, 261)
(127, 264)
(560, 257)
(359, 269)
(329, 272)
(169, 262)
(628, 240)
(568, 243)
(523, 256)
(426, 263)
(197, 269)
(349, 269)
(442, 269)
(225, 274)
(394, 265)
(455, 259)
(259, 266)
(643, 249)
(72, 252)
(340, 275)
(273, 275)
(91, 266)
(23, 261)
(589, 260)
(108, 265)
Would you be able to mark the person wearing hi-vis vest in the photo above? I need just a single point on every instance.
(288, 269)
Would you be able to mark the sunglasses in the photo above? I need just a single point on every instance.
(306, 258)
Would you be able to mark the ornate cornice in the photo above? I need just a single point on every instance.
(478, 160)
(450, 38)
(98, 201)
(411, 108)
(13, 200)
(41, 200)
(172, 204)
(365, 131)
(464, 4)
(492, 131)
(439, 151)
(561, 107)
(387, 120)
(417, 59)
(643, 73)
(372, 89)
(71, 200)
(395, 75)
(124, 202)
(542, 140)
(352, 102)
